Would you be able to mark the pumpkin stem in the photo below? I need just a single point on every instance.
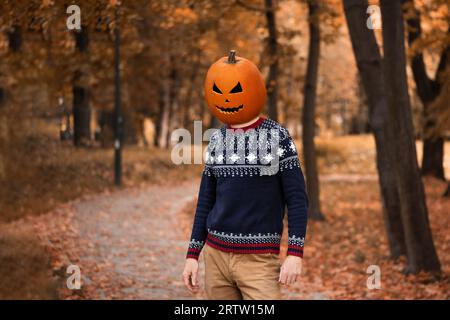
(232, 56)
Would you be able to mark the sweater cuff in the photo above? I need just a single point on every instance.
(295, 246)
(194, 249)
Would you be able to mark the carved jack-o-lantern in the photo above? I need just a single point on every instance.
(235, 89)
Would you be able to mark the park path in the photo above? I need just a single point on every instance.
(130, 243)
(138, 233)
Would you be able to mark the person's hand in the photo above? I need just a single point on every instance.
(190, 275)
(290, 270)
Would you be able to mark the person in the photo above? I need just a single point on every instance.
(251, 174)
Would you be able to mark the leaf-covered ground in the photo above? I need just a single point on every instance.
(127, 244)
(131, 243)
(339, 251)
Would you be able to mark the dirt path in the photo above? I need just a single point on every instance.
(136, 232)
(126, 243)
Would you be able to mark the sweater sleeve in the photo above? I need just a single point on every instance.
(295, 196)
(205, 202)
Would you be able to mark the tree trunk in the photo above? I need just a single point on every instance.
(191, 89)
(15, 38)
(174, 118)
(272, 81)
(186, 120)
(187, 105)
(428, 91)
(433, 157)
(106, 123)
(157, 119)
(287, 105)
(82, 39)
(164, 116)
(81, 110)
(308, 118)
(5, 142)
(81, 115)
(359, 123)
(2, 96)
(368, 58)
(447, 192)
(421, 254)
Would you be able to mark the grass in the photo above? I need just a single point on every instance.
(24, 268)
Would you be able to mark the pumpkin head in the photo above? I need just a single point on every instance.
(234, 89)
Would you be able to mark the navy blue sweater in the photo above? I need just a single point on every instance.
(250, 176)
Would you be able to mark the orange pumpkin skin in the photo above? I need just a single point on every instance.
(235, 91)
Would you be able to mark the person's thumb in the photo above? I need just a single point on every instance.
(194, 278)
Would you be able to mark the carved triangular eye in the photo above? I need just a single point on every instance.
(237, 88)
(215, 89)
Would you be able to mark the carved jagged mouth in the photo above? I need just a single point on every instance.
(230, 110)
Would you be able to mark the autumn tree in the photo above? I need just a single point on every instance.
(81, 110)
(428, 90)
(420, 249)
(404, 207)
(308, 115)
(272, 46)
(369, 63)
(269, 8)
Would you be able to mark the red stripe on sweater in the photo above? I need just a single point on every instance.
(241, 250)
(194, 256)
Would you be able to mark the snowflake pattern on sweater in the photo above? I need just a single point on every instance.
(250, 176)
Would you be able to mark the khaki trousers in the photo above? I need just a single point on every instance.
(237, 276)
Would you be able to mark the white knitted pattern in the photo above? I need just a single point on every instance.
(256, 152)
(273, 238)
(296, 241)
